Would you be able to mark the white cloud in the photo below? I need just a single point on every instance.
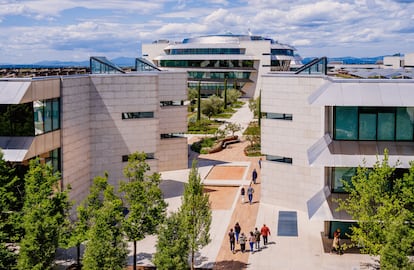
(340, 27)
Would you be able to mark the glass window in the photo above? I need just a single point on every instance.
(346, 123)
(148, 156)
(404, 124)
(374, 123)
(133, 115)
(54, 159)
(279, 159)
(339, 174)
(344, 226)
(47, 116)
(386, 126)
(281, 116)
(56, 114)
(38, 107)
(367, 126)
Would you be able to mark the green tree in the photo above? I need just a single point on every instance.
(196, 213)
(382, 204)
(225, 93)
(11, 202)
(233, 95)
(232, 127)
(254, 106)
(172, 245)
(212, 106)
(144, 198)
(199, 102)
(106, 247)
(44, 211)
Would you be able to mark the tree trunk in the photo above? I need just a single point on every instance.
(135, 256)
(199, 102)
(78, 256)
(192, 259)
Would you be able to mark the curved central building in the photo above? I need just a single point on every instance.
(241, 59)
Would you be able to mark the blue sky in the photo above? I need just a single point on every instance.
(73, 30)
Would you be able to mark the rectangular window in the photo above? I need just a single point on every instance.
(345, 228)
(368, 126)
(404, 124)
(171, 135)
(148, 156)
(346, 123)
(280, 116)
(48, 115)
(340, 174)
(374, 123)
(54, 159)
(279, 159)
(134, 115)
(171, 103)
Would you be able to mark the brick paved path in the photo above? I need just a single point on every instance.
(245, 213)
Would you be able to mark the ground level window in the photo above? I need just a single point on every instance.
(345, 228)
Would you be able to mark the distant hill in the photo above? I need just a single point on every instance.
(120, 61)
(130, 62)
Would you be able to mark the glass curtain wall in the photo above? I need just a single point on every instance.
(46, 115)
(374, 123)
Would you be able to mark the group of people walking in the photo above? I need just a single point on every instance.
(253, 238)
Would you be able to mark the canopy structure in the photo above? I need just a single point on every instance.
(349, 92)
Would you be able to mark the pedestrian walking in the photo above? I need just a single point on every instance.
(250, 192)
(254, 176)
(257, 235)
(232, 240)
(237, 230)
(242, 242)
(251, 241)
(242, 193)
(260, 163)
(265, 231)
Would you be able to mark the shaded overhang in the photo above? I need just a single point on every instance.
(15, 149)
(350, 92)
(329, 153)
(13, 92)
(323, 204)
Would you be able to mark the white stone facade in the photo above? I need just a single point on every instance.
(94, 137)
(306, 139)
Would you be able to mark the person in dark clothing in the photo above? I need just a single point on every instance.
(232, 240)
(254, 176)
(237, 230)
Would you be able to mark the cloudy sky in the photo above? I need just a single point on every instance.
(73, 30)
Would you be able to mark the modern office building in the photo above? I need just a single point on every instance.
(318, 129)
(240, 59)
(87, 124)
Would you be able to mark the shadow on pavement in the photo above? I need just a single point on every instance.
(171, 188)
(230, 265)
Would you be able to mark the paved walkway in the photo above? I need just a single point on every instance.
(303, 252)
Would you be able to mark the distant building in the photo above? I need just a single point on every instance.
(87, 124)
(240, 59)
(406, 61)
(317, 129)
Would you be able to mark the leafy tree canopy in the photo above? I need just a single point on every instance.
(383, 206)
